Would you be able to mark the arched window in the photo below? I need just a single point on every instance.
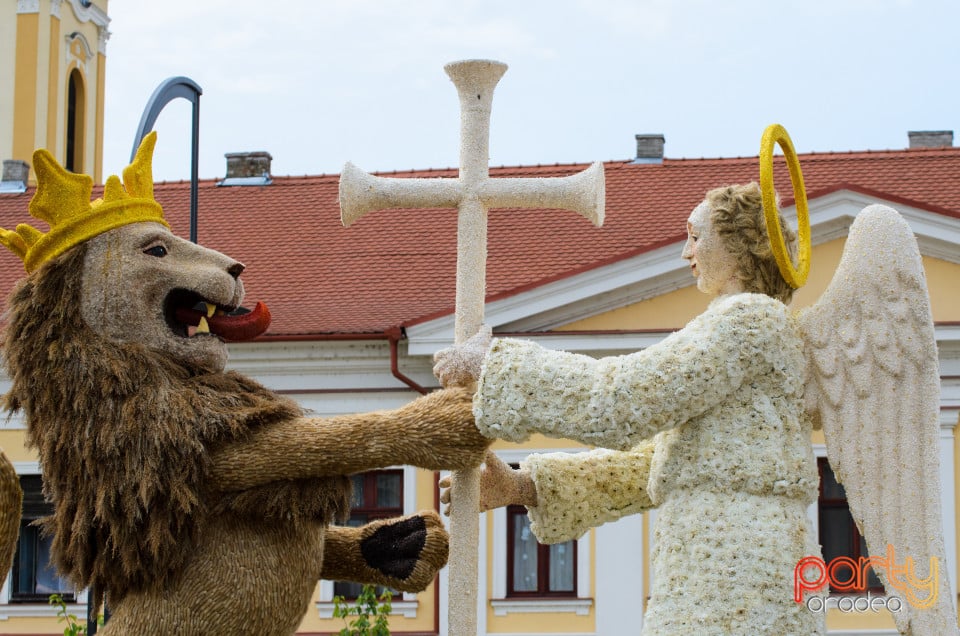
(76, 98)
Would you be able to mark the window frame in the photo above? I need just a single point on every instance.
(856, 546)
(34, 508)
(543, 563)
(371, 511)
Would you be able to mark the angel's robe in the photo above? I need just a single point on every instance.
(708, 427)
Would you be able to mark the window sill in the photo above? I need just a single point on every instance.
(38, 610)
(407, 609)
(578, 606)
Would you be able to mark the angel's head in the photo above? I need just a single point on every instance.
(728, 247)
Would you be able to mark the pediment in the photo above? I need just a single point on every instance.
(662, 271)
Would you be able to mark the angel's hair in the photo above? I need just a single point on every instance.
(736, 212)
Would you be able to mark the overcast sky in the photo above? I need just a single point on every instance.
(317, 83)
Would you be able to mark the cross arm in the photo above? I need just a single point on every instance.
(362, 192)
(583, 192)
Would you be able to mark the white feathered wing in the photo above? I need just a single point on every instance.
(874, 385)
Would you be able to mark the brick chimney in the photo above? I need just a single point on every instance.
(930, 138)
(15, 175)
(248, 164)
(247, 169)
(649, 149)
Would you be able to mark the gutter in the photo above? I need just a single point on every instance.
(394, 334)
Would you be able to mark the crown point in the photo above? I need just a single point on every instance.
(112, 190)
(60, 193)
(138, 176)
(13, 242)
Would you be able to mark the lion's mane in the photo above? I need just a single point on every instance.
(125, 437)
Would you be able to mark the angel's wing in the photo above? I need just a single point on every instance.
(874, 385)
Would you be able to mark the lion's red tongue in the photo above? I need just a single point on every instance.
(233, 328)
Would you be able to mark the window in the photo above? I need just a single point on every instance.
(535, 569)
(376, 495)
(75, 128)
(34, 578)
(838, 532)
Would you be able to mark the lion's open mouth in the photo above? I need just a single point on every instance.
(184, 309)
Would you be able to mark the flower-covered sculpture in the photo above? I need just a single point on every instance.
(196, 499)
(713, 426)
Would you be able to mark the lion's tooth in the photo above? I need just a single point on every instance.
(210, 309)
(203, 327)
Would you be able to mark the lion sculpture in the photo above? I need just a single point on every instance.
(196, 500)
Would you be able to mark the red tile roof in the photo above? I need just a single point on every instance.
(397, 267)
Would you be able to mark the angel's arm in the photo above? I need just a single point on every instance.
(576, 492)
(618, 402)
(434, 432)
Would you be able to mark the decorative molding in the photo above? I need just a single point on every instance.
(98, 17)
(38, 610)
(88, 53)
(578, 606)
(55, 8)
(28, 6)
(407, 609)
(92, 13)
(103, 34)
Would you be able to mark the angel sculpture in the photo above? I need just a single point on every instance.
(713, 425)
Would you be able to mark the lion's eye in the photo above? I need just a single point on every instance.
(157, 250)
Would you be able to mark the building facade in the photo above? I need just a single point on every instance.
(52, 84)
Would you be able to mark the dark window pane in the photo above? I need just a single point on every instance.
(34, 574)
(835, 533)
(561, 567)
(357, 501)
(389, 486)
(347, 590)
(872, 579)
(524, 555)
(831, 487)
(26, 560)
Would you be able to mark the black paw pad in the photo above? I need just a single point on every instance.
(394, 549)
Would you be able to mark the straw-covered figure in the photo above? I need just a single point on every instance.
(712, 426)
(197, 500)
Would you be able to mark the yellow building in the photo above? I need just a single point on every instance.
(52, 81)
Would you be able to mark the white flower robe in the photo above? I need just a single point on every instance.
(708, 426)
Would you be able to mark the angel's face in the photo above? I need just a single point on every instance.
(712, 265)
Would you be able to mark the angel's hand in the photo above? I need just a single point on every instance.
(500, 486)
(460, 364)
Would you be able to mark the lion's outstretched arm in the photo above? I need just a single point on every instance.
(404, 553)
(435, 432)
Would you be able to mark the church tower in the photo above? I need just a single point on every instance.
(52, 74)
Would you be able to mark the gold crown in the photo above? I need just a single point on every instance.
(62, 200)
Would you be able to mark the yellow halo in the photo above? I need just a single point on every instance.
(795, 277)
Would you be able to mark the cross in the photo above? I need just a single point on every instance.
(473, 193)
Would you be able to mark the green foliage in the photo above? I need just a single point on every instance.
(74, 626)
(366, 606)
